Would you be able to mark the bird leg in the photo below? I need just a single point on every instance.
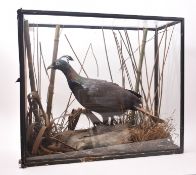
(105, 121)
(113, 121)
(106, 116)
(92, 117)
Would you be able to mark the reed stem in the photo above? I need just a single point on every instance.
(106, 53)
(31, 69)
(29, 55)
(52, 75)
(141, 60)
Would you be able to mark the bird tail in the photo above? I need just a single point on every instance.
(154, 118)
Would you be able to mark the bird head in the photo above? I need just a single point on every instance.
(60, 63)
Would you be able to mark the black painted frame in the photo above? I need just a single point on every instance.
(20, 15)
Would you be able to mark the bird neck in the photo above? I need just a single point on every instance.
(70, 73)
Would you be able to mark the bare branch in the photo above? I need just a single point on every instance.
(75, 55)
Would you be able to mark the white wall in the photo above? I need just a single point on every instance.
(9, 90)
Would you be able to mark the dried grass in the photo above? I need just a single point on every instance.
(145, 132)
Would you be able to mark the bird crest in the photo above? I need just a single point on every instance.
(69, 58)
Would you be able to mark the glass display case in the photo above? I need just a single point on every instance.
(99, 86)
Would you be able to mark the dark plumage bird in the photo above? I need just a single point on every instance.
(100, 96)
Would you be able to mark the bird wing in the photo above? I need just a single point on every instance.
(100, 96)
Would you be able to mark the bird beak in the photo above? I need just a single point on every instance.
(50, 67)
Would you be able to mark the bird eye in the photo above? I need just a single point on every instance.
(57, 63)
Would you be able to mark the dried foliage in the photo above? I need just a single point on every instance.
(146, 132)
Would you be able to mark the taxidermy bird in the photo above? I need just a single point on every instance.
(103, 97)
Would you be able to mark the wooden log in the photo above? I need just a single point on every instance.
(100, 136)
(103, 136)
(102, 140)
(130, 149)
